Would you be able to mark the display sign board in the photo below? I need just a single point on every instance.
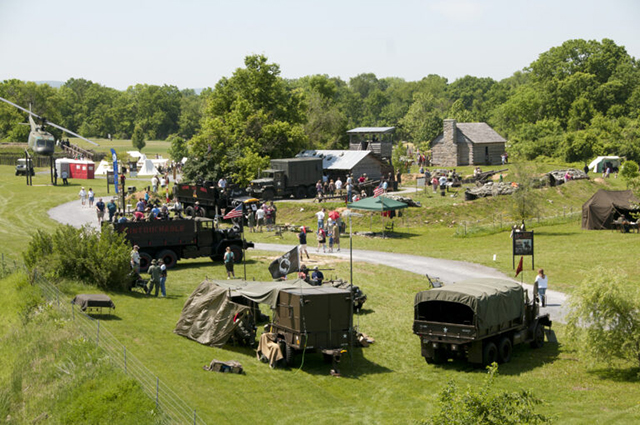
(523, 243)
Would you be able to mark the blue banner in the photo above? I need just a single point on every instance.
(116, 177)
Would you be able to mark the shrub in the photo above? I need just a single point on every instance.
(100, 259)
(484, 406)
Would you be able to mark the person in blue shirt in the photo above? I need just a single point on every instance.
(302, 238)
(317, 276)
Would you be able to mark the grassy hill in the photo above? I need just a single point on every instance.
(389, 381)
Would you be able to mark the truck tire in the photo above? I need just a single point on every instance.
(268, 194)
(145, 261)
(489, 353)
(311, 192)
(538, 337)
(439, 357)
(237, 254)
(169, 258)
(289, 354)
(202, 212)
(505, 350)
(189, 211)
(301, 192)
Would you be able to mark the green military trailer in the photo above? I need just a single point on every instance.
(313, 319)
(478, 319)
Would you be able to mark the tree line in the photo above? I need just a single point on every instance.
(575, 101)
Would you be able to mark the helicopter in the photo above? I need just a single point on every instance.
(40, 141)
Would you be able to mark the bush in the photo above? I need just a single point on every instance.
(100, 259)
(482, 406)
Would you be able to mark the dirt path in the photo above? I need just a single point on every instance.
(448, 271)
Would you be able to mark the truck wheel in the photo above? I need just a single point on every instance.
(301, 192)
(145, 261)
(538, 337)
(268, 194)
(237, 254)
(202, 212)
(168, 257)
(439, 357)
(489, 353)
(189, 211)
(505, 350)
(311, 192)
(289, 354)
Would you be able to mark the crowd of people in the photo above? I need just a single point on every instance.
(262, 216)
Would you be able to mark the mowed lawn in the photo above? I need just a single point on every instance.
(388, 382)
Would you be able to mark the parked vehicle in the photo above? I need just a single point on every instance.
(477, 319)
(313, 319)
(22, 168)
(172, 240)
(210, 199)
(288, 177)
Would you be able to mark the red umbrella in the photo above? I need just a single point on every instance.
(334, 215)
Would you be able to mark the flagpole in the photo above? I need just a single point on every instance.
(244, 251)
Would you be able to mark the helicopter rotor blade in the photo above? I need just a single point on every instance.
(49, 122)
(70, 132)
(19, 107)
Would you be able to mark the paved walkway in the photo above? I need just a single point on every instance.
(448, 271)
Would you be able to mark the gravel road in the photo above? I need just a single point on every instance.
(448, 271)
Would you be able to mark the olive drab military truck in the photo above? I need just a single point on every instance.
(313, 319)
(211, 199)
(172, 240)
(287, 177)
(477, 319)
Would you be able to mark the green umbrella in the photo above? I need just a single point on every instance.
(378, 203)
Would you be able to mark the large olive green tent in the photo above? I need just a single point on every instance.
(605, 206)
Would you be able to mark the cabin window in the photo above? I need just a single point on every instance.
(445, 312)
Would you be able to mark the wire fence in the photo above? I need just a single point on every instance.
(500, 222)
(174, 408)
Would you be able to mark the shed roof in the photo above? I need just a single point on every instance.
(480, 132)
(365, 130)
(336, 159)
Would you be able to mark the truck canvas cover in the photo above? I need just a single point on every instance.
(493, 301)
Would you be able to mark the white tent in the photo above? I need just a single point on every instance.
(103, 168)
(597, 165)
(135, 154)
(147, 169)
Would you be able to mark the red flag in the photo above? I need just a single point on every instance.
(519, 268)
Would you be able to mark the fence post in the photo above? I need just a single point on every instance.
(157, 390)
(125, 360)
(98, 335)
(194, 416)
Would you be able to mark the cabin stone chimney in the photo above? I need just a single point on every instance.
(449, 153)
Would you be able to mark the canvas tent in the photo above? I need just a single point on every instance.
(605, 206)
(598, 164)
(378, 203)
(208, 314)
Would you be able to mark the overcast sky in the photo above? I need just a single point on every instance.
(193, 43)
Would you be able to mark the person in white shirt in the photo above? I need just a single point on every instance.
(222, 183)
(320, 217)
(83, 196)
(339, 186)
(154, 184)
(260, 218)
(542, 280)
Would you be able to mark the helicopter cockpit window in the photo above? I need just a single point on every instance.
(40, 142)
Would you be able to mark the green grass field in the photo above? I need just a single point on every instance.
(388, 382)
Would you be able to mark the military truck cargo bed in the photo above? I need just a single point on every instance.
(171, 240)
(477, 319)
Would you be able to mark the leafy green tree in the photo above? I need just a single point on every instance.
(629, 172)
(604, 317)
(178, 148)
(486, 406)
(525, 200)
(253, 112)
(137, 140)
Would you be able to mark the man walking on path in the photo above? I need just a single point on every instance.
(83, 196)
(302, 238)
(154, 272)
(100, 211)
(111, 208)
